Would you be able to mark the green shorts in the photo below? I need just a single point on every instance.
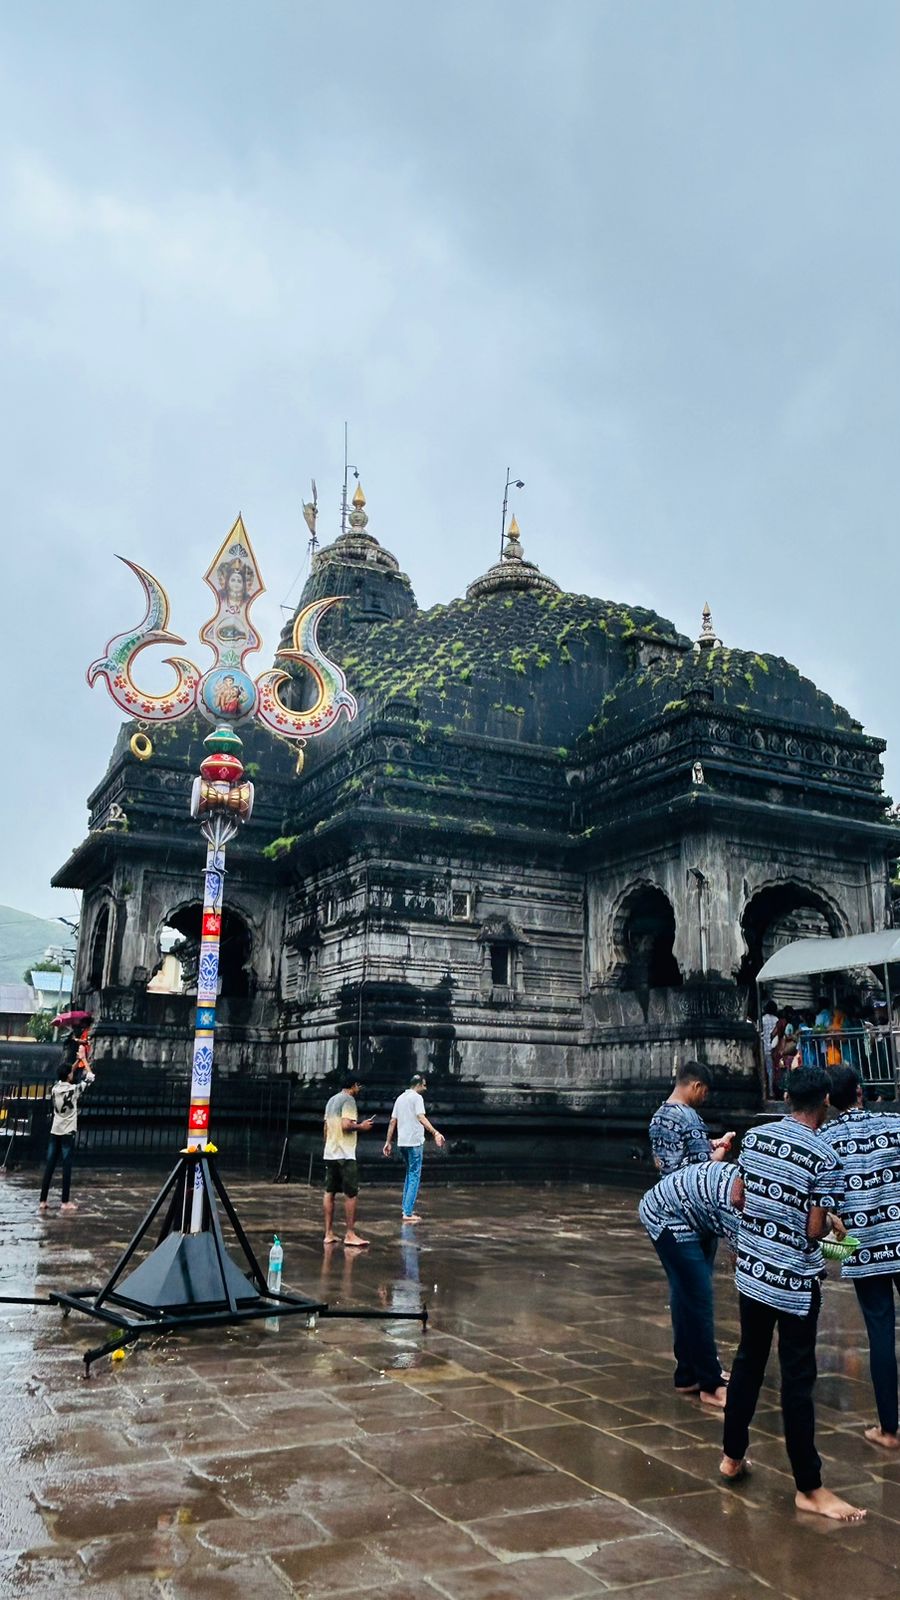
(342, 1177)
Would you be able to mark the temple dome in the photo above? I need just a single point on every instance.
(358, 568)
(765, 688)
(512, 572)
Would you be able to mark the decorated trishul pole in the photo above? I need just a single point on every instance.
(226, 696)
(189, 1275)
(189, 1278)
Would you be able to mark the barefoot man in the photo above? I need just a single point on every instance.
(793, 1184)
(342, 1125)
(681, 1213)
(64, 1098)
(867, 1144)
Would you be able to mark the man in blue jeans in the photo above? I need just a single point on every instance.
(409, 1121)
(867, 1144)
(683, 1213)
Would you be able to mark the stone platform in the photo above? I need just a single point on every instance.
(529, 1447)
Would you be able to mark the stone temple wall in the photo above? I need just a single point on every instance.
(544, 862)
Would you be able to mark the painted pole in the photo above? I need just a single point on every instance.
(222, 801)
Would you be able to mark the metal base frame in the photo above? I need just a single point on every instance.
(210, 1298)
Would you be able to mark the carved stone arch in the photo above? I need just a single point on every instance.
(618, 916)
(184, 918)
(100, 943)
(642, 938)
(832, 909)
(777, 910)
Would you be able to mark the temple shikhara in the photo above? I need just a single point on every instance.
(550, 855)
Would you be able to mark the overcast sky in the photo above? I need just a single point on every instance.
(645, 254)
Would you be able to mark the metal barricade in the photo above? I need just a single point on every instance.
(141, 1116)
(23, 1119)
(871, 1052)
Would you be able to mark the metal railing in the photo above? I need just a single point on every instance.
(144, 1116)
(871, 1052)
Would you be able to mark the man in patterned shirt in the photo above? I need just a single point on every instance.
(678, 1134)
(867, 1144)
(792, 1184)
(681, 1213)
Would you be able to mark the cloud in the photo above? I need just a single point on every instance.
(647, 256)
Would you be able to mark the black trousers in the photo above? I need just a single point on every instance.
(60, 1144)
(876, 1298)
(797, 1358)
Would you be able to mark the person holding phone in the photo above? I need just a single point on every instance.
(342, 1125)
(678, 1134)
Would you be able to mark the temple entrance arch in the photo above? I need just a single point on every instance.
(178, 944)
(644, 939)
(99, 948)
(776, 915)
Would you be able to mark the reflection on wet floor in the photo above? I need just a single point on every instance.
(528, 1445)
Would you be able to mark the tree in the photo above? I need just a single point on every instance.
(40, 1026)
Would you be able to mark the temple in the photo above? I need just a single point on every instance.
(547, 859)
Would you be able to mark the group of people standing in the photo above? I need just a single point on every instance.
(793, 1038)
(795, 1181)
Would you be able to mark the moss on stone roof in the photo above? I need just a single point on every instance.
(763, 686)
(538, 658)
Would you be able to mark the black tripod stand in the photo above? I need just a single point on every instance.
(189, 1280)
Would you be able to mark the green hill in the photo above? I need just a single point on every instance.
(23, 940)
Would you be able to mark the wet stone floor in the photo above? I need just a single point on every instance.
(529, 1445)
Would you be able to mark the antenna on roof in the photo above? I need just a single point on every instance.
(517, 483)
(348, 468)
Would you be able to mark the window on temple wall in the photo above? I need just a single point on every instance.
(290, 975)
(648, 936)
(461, 905)
(99, 943)
(179, 955)
(502, 965)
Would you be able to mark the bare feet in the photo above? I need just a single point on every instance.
(42, 1205)
(355, 1240)
(733, 1470)
(69, 1205)
(413, 1217)
(330, 1238)
(687, 1388)
(887, 1441)
(714, 1397)
(826, 1504)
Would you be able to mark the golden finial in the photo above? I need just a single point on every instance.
(358, 517)
(512, 531)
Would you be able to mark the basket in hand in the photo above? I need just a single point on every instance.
(840, 1249)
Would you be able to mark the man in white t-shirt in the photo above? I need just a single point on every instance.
(409, 1121)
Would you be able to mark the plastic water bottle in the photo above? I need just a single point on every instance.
(276, 1262)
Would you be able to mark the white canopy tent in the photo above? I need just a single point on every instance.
(806, 956)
